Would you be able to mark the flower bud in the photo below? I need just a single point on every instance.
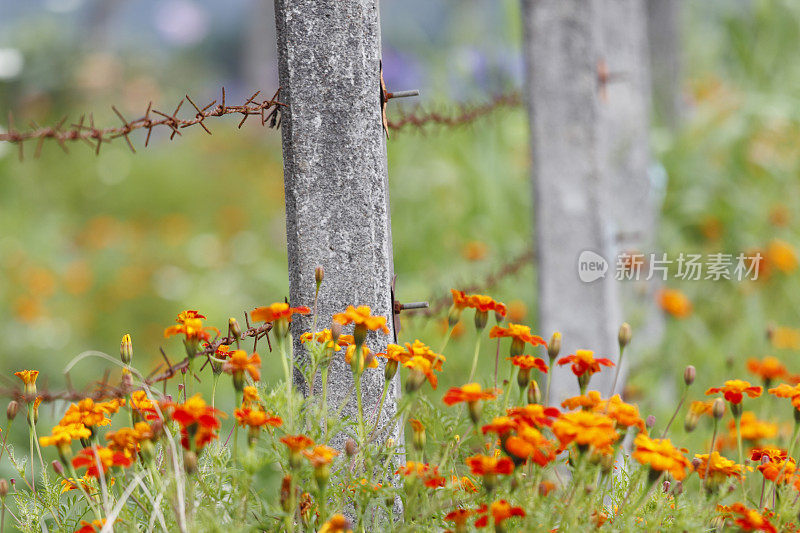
(665, 486)
(523, 377)
(390, 369)
(3, 488)
(690, 423)
(481, 318)
(677, 488)
(624, 336)
(189, 462)
(350, 447)
(126, 349)
(359, 334)
(475, 409)
(233, 327)
(319, 275)
(534, 392)
(12, 410)
(554, 346)
(57, 467)
(689, 375)
(718, 408)
(650, 421)
(336, 331)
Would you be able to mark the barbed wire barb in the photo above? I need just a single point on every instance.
(95, 137)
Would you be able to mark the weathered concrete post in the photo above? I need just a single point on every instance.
(630, 196)
(335, 173)
(663, 28)
(563, 94)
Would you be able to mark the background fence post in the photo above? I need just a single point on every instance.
(563, 94)
(335, 175)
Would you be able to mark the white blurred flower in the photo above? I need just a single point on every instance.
(11, 63)
(182, 22)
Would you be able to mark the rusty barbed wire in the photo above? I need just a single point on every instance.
(103, 390)
(463, 114)
(507, 270)
(268, 109)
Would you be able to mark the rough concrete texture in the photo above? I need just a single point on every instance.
(561, 48)
(335, 175)
(663, 29)
(631, 198)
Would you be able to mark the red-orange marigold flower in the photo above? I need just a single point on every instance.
(320, 455)
(297, 443)
(105, 457)
(717, 468)
(526, 362)
(483, 303)
(750, 519)
(675, 303)
(733, 389)
(534, 414)
(28, 377)
(529, 444)
(361, 316)
(768, 368)
(583, 361)
(326, 337)
(482, 465)
(500, 510)
(517, 332)
(91, 527)
(428, 474)
(500, 425)
(277, 311)
(256, 418)
(469, 393)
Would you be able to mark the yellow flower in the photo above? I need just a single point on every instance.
(660, 455)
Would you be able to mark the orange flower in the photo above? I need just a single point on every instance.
(361, 316)
(700, 408)
(459, 517)
(297, 443)
(781, 255)
(401, 354)
(500, 425)
(529, 444)
(89, 413)
(239, 363)
(500, 510)
(787, 391)
(624, 414)
(464, 483)
(63, 435)
(675, 303)
(585, 429)
(190, 324)
(326, 337)
(750, 519)
(460, 300)
(534, 415)
(197, 419)
(785, 338)
(321, 455)
(91, 527)
(520, 335)
(366, 355)
(277, 311)
(336, 524)
(484, 304)
(256, 418)
(469, 393)
(28, 377)
(485, 465)
(105, 457)
(421, 366)
(778, 470)
(526, 362)
(583, 362)
(767, 369)
(717, 469)
(250, 397)
(660, 455)
(733, 390)
(752, 428)
(585, 401)
(140, 402)
(423, 471)
(124, 440)
(772, 453)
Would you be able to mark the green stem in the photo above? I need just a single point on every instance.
(288, 376)
(380, 408)
(447, 338)
(324, 406)
(214, 390)
(549, 379)
(741, 453)
(475, 357)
